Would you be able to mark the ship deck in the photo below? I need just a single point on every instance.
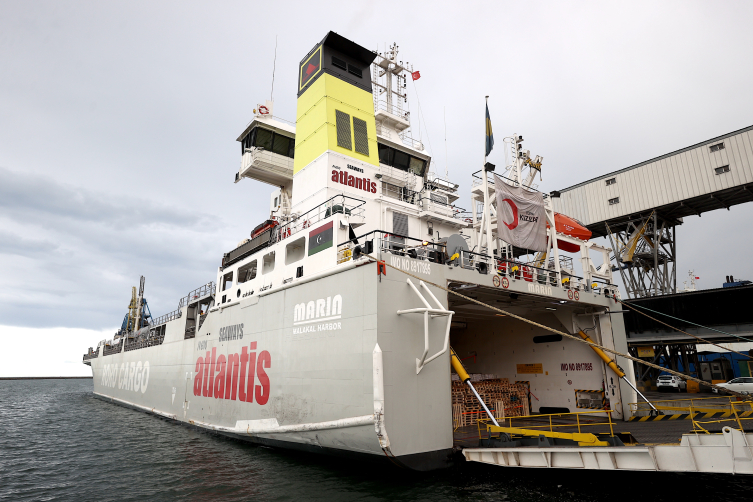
(655, 432)
(663, 431)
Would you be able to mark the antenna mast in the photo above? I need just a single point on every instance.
(274, 68)
(446, 167)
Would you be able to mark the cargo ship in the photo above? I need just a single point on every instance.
(346, 321)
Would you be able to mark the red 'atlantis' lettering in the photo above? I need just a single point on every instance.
(344, 178)
(262, 390)
(219, 382)
(197, 381)
(231, 386)
(242, 380)
(206, 391)
(251, 373)
(211, 373)
(234, 376)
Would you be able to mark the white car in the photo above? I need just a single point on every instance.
(669, 382)
(742, 385)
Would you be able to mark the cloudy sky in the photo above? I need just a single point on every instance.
(118, 123)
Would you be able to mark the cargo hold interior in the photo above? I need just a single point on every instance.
(517, 368)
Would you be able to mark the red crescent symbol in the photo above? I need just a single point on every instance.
(514, 214)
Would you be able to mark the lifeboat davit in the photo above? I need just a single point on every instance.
(573, 228)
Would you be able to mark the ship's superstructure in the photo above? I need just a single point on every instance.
(329, 326)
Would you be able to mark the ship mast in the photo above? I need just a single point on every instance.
(390, 67)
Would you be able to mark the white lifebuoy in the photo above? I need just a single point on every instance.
(263, 110)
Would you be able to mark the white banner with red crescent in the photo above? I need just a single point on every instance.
(521, 218)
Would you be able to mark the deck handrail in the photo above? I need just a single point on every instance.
(549, 423)
(340, 203)
(200, 292)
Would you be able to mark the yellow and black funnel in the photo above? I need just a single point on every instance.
(335, 103)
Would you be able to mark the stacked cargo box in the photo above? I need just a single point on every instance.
(503, 398)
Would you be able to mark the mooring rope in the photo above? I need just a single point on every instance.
(689, 322)
(681, 331)
(556, 331)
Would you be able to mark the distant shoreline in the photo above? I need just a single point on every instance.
(44, 378)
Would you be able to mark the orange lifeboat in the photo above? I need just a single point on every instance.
(573, 228)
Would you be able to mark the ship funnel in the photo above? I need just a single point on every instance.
(335, 109)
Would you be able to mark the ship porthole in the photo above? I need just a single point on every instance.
(238, 295)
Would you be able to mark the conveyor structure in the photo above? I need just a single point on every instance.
(640, 206)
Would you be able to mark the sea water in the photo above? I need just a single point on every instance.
(59, 442)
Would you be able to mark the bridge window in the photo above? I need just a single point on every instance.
(721, 170)
(417, 166)
(264, 139)
(614, 201)
(611, 181)
(281, 144)
(270, 141)
(401, 160)
(717, 147)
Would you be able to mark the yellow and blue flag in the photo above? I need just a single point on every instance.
(489, 135)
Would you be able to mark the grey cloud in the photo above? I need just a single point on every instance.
(37, 196)
(14, 244)
(118, 122)
(93, 249)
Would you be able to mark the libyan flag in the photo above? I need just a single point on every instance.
(320, 239)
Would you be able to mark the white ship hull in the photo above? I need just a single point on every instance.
(321, 374)
(324, 373)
